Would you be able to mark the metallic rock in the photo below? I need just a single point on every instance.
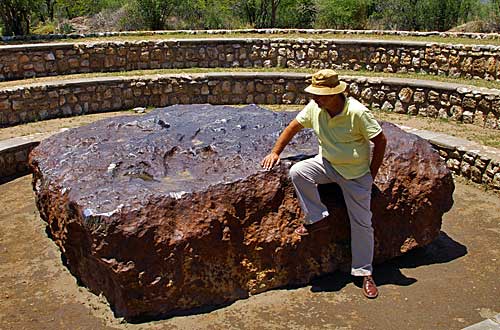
(171, 211)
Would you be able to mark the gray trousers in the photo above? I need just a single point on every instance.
(307, 174)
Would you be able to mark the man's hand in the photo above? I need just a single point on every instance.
(270, 160)
(274, 157)
(379, 144)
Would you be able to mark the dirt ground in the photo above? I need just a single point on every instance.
(450, 284)
(485, 136)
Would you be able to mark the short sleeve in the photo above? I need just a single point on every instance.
(368, 126)
(305, 115)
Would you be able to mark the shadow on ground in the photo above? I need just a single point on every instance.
(443, 249)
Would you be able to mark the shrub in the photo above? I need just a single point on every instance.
(343, 14)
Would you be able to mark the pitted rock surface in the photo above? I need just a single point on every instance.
(171, 211)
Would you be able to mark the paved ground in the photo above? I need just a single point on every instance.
(451, 284)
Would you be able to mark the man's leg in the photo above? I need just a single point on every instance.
(357, 195)
(305, 176)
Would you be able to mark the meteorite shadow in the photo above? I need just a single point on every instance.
(189, 312)
(442, 250)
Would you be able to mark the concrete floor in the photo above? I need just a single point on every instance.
(451, 284)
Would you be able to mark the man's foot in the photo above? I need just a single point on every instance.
(301, 230)
(369, 287)
(306, 229)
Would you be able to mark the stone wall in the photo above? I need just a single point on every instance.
(471, 165)
(14, 157)
(478, 163)
(37, 60)
(427, 98)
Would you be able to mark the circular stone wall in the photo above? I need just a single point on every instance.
(38, 60)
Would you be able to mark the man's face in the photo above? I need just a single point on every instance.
(323, 100)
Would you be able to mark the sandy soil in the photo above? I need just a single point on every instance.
(450, 284)
(54, 125)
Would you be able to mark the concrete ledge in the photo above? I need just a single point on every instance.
(14, 155)
(492, 323)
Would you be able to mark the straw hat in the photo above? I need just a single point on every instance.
(326, 82)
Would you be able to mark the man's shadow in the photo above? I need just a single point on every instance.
(443, 249)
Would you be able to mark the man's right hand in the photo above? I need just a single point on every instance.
(270, 160)
(274, 157)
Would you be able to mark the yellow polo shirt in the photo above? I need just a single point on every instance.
(343, 139)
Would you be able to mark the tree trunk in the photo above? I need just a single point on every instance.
(274, 9)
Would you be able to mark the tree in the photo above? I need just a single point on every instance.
(418, 14)
(437, 15)
(297, 14)
(50, 4)
(209, 14)
(155, 12)
(495, 12)
(343, 14)
(260, 13)
(75, 8)
(16, 15)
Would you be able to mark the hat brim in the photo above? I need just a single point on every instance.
(326, 90)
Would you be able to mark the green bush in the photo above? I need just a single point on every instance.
(65, 28)
(210, 14)
(48, 27)
(297, 14)
(16, 15)
(343, 14)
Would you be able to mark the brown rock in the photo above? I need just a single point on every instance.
(171, 211)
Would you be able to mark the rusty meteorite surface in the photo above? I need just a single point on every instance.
(171, 211)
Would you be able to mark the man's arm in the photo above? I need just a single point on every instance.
(379, 142)
(271, 159)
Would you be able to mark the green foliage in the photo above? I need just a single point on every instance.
(48, 27)
(75, 8)
(65, 28)
(494, 13)
(210, 14)
(297, 14)
(259, 13)
(343, 14)
(16, 15)
(131, 20)
(154, 13)
(437, 15)
(426, 15)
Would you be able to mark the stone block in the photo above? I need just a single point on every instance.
(182, 223)
(468, 117)
(405, 95)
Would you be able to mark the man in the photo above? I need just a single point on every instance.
(344, 128)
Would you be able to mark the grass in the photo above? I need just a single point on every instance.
(142, 73)
(429, 39)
